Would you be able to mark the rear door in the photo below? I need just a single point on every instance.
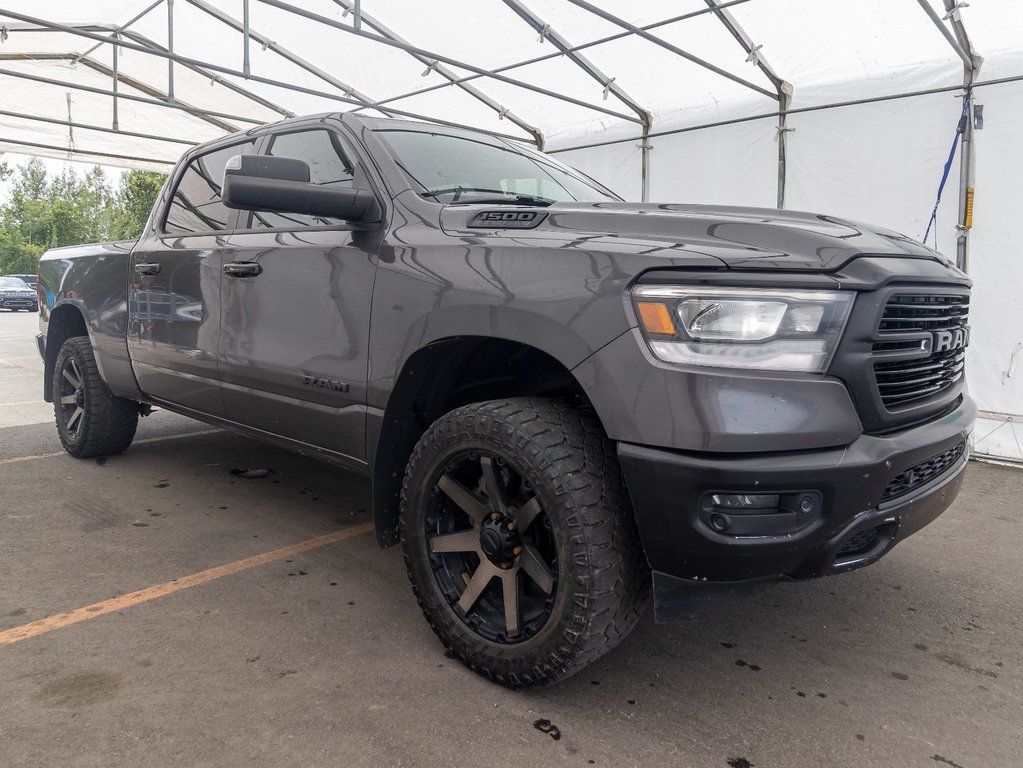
(296, 308)
(174, 288)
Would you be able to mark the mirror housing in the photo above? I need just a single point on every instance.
(281, 185)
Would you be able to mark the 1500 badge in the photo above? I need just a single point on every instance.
(506, 219)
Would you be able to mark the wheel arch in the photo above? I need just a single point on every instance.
(444, 375)
(65, 321)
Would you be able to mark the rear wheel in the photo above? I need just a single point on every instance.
(91, 421)
(519, 539)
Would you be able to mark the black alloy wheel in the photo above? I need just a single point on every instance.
(491, 547)
(72, 397)
(520, 541)
(91, 420)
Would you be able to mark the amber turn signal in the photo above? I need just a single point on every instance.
(655, 318)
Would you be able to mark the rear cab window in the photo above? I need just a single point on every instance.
(195, 206)
(331, 163)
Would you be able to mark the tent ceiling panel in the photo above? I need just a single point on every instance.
(862, 44)
(430, 26)
(679, 80)
(90, 107)
(994, 25)
(830, 51)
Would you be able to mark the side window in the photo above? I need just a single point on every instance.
(196, 206)
(329, 165)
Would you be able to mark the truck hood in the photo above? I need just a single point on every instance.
(742, 238)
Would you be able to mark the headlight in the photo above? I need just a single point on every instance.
(762, 328)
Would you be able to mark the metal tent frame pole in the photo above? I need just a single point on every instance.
(796, 111)
(225, 70)
(92, 153)
(444, 59)
(123, 27)
(547, 32)
(782, 87)
(966, 159)
(201, 113)
(503, 112)
(640, 32)
(93, 127)
(557, 54)
(929, 10)
(249, 33)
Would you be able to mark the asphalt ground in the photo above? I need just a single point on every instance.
(156, 611)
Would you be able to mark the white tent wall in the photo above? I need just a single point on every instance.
(727, 165)
(619, 166)
(995, 356)
(880, 163)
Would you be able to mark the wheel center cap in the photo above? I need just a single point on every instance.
(490, 542)
(500, 541)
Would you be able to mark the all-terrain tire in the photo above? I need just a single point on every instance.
(567, 461)
(106, 424)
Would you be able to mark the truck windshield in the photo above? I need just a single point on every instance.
(464, 169)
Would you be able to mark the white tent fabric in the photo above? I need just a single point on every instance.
(874, 85)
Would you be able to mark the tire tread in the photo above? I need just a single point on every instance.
(112, 420)
(578, 462)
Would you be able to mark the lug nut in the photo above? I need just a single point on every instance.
(517, 551)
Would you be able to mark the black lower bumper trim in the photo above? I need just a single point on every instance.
(850, 528)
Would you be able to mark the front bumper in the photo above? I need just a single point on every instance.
(20, 303)
(694, 564)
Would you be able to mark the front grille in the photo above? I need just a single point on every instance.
(922, 473)
(906, 381)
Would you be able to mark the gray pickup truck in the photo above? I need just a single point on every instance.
(568, 404)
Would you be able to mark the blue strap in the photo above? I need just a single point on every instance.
(960, 127)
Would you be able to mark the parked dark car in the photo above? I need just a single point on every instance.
(16, 294)
(32, 280)
(556, 394)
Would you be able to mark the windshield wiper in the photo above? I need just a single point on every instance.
(508, 198)
(516, 200)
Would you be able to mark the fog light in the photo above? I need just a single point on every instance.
(745, 500)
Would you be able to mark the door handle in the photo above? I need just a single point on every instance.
(243, 269)
(148, 269)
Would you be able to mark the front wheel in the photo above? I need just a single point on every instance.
(91, 420)
(520, 541)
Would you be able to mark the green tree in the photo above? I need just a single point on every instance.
(69, 209)
(135, 199)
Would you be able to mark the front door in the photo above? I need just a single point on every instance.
(296, 307)
(174, 309)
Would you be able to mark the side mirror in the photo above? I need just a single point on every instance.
(281, 185)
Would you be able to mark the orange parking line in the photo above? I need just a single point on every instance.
(60, 620)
